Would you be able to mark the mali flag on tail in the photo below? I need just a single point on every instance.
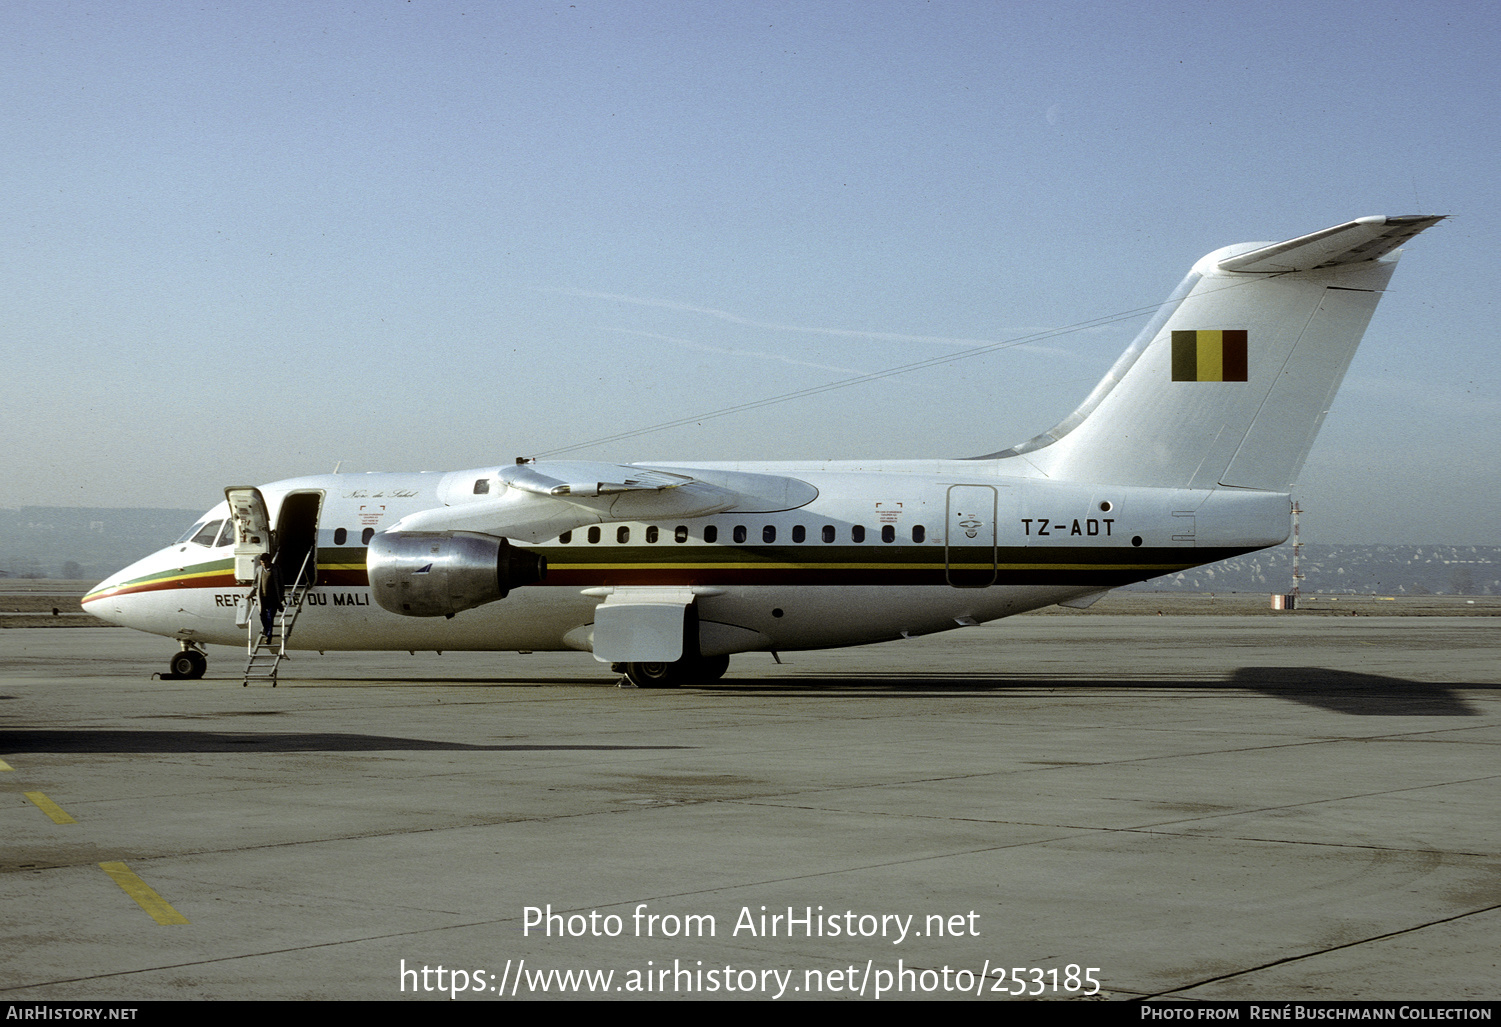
(1209, 356)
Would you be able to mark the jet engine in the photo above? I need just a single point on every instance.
(441, 573)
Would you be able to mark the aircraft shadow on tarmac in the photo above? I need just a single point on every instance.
(1365, 695)
(159, 742)
(1334, 690)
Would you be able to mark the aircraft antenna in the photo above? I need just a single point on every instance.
(843, 383)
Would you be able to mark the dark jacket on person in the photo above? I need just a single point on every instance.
(268, 586)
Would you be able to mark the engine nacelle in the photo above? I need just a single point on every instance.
(441, 573)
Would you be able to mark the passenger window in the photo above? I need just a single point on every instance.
(769, 533)
(739, 533)
(366, 536)
(857, 533)
(209, 533)
(566, 537)
(711, 533)
(828, 533)
(799, 533)
(680, 533)
(593, 535)
(622, 534)
(888, 533)
(651, 533)
(919, 533)
(340, 536)
(482, 487)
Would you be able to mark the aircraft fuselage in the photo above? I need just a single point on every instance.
(880, 551)
(1185, 453)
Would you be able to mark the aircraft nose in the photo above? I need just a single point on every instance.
(96, 600)
(98, 592)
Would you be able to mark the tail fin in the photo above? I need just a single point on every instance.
(1229, 383)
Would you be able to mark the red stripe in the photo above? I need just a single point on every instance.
(1233, 360)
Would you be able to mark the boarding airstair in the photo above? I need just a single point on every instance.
(266, 654)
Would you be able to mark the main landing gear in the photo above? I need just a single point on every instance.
(687, 671)
(189, 664)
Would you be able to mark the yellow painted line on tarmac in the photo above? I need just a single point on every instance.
(50, 808)
(6, 766)
(159, 908)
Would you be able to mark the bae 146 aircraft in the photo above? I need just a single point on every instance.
(1184, 454)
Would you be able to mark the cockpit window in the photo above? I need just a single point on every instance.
(193, 531)
(209, 533)
(227, 536)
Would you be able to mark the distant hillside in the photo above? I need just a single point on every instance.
(1379, 570)
(83, 542)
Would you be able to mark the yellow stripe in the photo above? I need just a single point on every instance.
(557, 565)
(154, 579)
(754, 566)
(160, 909)
(1163, 567)
(186, 575)
(50, 808)
(6, 766)
(1211, 356)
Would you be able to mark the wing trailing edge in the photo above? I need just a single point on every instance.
(589, 480)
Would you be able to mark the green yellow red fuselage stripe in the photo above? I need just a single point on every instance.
(582, 566)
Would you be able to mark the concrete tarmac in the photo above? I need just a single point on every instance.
(1198, 807)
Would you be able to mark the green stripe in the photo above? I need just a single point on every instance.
(197, 570)
(1185, 356)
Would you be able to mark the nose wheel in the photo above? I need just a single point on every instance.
(189, 664)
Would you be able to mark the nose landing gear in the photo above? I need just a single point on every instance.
(187, 665)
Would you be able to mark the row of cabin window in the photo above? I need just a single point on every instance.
(210, 534)
(341, 536)
(738, 533)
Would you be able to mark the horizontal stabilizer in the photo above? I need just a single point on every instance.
(1355, 241)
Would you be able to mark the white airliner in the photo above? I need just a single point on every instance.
(1183, 455)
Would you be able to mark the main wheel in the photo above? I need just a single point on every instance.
(189, 663)
(654, 675)
(711, 668)
(687, 671)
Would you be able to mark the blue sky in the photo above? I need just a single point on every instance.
(244, 242)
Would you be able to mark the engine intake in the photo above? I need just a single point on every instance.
(439, 574)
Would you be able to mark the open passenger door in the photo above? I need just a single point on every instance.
(252, 529)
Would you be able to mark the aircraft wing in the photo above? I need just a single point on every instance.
(1350, 243)
(539, 501)
(589, 480)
